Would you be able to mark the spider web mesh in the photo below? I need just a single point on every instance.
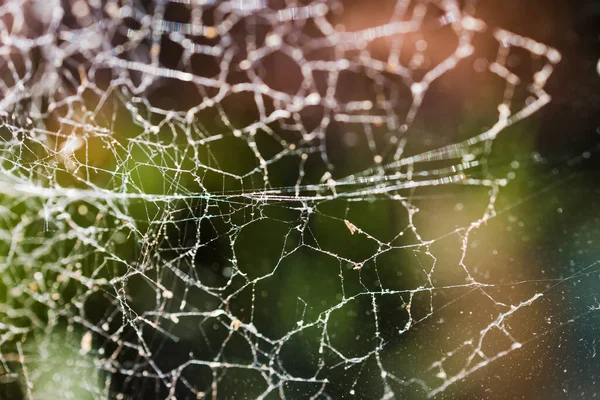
(209, 198)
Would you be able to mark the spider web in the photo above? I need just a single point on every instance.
(211, 199)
